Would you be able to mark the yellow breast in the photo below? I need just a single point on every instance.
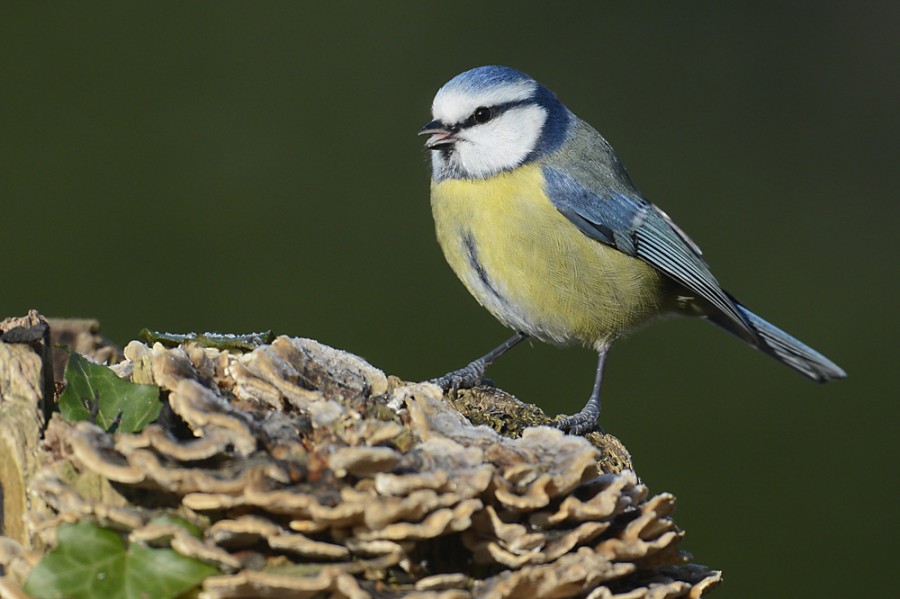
(532, 268)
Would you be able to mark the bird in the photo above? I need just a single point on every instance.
(539, 219)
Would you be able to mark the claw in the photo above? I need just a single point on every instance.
(586, 420)
(577, 424)
(473, 373)
(464, 378)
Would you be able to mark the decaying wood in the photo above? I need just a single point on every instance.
(310, 472)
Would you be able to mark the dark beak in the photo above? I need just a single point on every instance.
(441, 135)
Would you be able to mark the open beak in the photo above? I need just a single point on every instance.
(441, 136)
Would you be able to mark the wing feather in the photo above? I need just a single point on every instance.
(636, 227)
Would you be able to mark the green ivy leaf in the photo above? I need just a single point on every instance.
(90, 561)
(94, 392)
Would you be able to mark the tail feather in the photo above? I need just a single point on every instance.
(783, 347)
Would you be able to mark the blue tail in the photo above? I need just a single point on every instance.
(781, 346)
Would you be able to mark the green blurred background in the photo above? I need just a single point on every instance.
(238, 166)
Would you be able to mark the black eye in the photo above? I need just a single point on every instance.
(482, 114)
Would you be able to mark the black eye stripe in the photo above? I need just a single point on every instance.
(496, 110)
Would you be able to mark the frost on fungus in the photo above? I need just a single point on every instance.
(307, 473)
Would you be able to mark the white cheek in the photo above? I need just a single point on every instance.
(502, 144)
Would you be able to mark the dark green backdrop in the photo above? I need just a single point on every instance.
(248, 165)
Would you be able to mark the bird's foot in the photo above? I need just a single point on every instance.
(464, 378)
(581, 423)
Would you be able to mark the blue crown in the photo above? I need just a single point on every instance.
(485, 77)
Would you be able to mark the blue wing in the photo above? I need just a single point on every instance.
(636, 227)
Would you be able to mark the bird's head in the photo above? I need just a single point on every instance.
(490, 120)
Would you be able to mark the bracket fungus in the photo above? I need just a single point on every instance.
(307, 472)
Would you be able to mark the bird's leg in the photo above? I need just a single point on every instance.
(473, 373)
(584, 421)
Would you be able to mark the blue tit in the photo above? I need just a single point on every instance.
(539, 219)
